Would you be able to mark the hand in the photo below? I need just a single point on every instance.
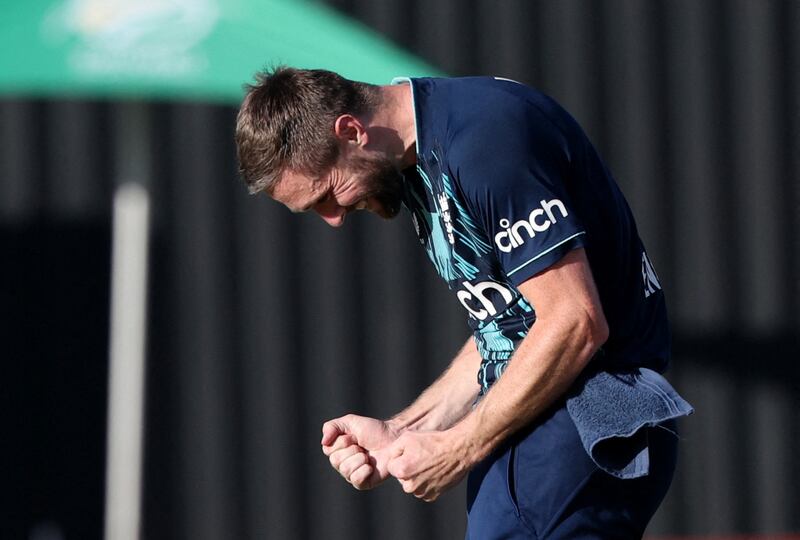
(355, 447)
(428, 463)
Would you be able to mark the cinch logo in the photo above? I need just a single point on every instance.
(539, 220)
(476, 301)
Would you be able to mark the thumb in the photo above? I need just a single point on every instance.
(396, 450)
(395, 464)
(332, 429)
(380, 460)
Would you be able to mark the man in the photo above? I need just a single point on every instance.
(555, 407)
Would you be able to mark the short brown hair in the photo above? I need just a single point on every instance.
(286, 121)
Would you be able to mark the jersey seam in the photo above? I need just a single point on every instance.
(545, 252)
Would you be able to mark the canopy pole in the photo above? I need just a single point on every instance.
(127, 363)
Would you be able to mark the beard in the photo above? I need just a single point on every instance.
(382, 182)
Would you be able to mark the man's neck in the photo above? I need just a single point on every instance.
(397, 113)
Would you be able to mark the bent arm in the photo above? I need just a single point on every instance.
(448, 399)
(570, 327)
(356, 445)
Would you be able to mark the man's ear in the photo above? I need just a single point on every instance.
(348, 128)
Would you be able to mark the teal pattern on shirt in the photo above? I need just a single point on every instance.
(464, 258)
(506, 184)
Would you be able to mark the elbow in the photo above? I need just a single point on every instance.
(599, 333)
(592, 329)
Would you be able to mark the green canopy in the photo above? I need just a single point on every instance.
(182, 49)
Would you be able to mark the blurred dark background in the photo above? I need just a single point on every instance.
(264, 324)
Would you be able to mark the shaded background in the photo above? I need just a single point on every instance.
(264, 324)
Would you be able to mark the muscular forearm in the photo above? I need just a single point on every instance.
(546, 363)
(569, 328)
(448, 399)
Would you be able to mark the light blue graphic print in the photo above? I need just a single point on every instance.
(448, 229)
(495, 346)
(490, 371)
(462, 255)
(469, 233)
(438, 246)
(465, 233)
(492, 343)
(491, 339)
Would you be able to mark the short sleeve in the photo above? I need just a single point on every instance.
(513, 165)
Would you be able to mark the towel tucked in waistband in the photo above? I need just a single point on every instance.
(610, 411)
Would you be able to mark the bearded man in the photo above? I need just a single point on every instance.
(555, 408)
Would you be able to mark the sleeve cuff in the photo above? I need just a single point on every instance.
(540, 262)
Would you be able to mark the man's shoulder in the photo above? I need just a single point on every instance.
(473, 97)
(487, 128)
(494, 120)
(478, 84)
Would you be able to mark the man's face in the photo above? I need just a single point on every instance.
(365, 181)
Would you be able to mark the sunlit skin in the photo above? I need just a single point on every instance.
(333, 196)
(388, 134)
(432, 444)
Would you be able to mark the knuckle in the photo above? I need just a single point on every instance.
(335, 459)
(359, 482)
(340, 442)
(356, 478)
(345, 471)
(408, 486)
(351, 466)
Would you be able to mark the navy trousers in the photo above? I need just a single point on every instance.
(542, 484)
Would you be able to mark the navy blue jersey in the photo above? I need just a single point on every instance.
(506, 184)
